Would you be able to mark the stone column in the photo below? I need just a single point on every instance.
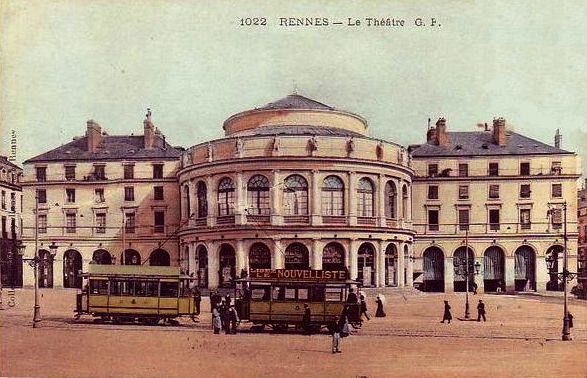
(193, 209)
(351, 258)
(400, 265)
(351, 198)
(381, 202)
(410, 276)
(381, 259)
(192, 259)
(241, 257)
(58, 269)
(240, 216)
(316, 255)
(276, 199)
(542, 276)
(315, 211)
(510, 274)
(278, 261)
(213, 265)
(211, 197)
(479, 278)
(449, 274)
(377, 264)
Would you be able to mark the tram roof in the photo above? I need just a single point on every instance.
(133, 270)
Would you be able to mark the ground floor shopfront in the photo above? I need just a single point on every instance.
(441, 265)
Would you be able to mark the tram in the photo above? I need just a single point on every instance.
(276, 298)
(128, 293)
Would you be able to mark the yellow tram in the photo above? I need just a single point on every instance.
(276, 297)
(125, 293)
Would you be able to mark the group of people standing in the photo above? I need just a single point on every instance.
(224, 314)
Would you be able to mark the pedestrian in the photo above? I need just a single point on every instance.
(225, 317)
(197, 299)
(474, 288)
(363, 308)
(446, 315)
(216, 320)
(306, 319)
(233, 319)
(352, 297)
(480, 311)
(214, 299)
(336, 331)
(570, 319)
(379, 313)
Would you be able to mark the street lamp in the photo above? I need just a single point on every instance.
(34, 263)
(464, 270)
(566, 275)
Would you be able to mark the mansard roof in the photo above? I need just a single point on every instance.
(481, 143)
(113, 147)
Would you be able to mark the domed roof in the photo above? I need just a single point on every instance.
(296, 101)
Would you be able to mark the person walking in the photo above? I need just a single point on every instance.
(225, 317)
(446, 315)
(474, 285)
(197, 299)
(216, 321)
(570, 319)
(352, 297)
(363, 308)
(306, 319)
(379, 313)
(233, 319)
(480, 310)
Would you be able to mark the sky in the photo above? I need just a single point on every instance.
(194, 65)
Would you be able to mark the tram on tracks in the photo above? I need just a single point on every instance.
(129, 293)
(276, 298)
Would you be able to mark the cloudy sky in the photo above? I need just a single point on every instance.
(193, 64)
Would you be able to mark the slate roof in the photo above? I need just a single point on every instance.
(304, 130)
(113, 147)
(4, 160)
(296, 101)
(480, 143)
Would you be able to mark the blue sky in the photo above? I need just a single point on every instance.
(64, 62)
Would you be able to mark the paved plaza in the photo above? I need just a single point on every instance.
(520, 339)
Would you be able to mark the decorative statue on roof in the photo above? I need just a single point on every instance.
(240, 146)
(401, 154)
(350, 145)
(148, 115)
(313, 143)
(210, 151)
(276, 143)
(379, 150)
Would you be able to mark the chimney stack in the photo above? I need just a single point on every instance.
(93, 135)
(558, 138)
(441, 134)
(499, 136)
(149, 135)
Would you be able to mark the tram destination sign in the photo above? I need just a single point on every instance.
(299, 274)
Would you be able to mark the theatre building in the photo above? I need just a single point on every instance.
(495, 200)
(10, 212)
(103, 199)
(296, 184)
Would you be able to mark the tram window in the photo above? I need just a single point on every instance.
(169, 289)
(318, 294)
(303, 294)
(145, 288)
(333, 294)
(122, 288)
(260, 293)
(98, 287)
(290, 294)
(152, 288)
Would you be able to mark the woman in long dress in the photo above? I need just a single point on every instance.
(379, 313)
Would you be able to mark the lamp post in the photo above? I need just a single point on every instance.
(566, 275)
(463, 264)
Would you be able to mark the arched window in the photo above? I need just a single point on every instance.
(333, 257)
(332, 196)
(258, 195)
(297, 256)
(131, 257)
(202, 200)
(259, 256)
(159, 257)
(295, 196)
(405, 202)
(365, 198)
(390, 200)
(225, 197)
(101, 256)
(186, 201)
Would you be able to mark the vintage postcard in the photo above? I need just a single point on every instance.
(293, 189)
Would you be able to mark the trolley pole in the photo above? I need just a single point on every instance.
(467, 314)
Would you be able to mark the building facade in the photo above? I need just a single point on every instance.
(582, 240)
(505, 198)
(10, 212)
(296, 184)
(101, 199)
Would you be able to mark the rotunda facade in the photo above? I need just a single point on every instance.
(296, 184)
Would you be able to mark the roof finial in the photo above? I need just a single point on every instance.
(295, 87)
(148, 115)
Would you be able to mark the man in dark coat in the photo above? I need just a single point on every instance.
(197, 299)
(446, 315)
(352, 297)
(480, 311)
(306, 319)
